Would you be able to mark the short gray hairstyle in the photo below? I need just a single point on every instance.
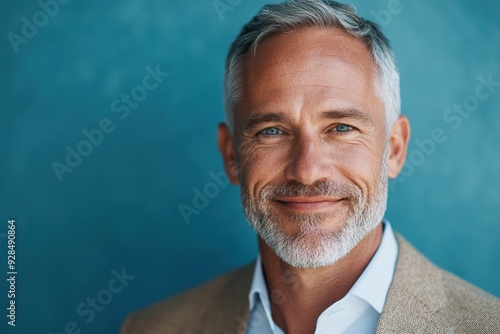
(295, 14)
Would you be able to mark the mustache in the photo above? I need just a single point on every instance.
(319, 188)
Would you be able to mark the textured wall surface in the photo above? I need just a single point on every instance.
(100, 234)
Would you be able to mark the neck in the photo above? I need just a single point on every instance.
(299, 295)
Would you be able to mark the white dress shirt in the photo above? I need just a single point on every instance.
(358, 312)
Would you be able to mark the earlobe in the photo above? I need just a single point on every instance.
(225, 143)
(399, 138)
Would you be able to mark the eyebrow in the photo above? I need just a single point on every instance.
(354, 114)
(348, 114)
(255, 120)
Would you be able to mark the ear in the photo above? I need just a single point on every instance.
(225, 142)
(399, 138)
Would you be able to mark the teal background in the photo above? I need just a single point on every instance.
(119, 207)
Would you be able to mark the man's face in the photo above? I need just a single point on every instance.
(311, 145)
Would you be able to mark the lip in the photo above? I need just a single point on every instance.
(308, 204)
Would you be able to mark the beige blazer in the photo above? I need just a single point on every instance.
(422, 299)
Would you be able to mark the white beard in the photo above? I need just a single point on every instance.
(312, 247)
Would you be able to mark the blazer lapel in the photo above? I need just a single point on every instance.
(413, 301)
(415, 295)
(231, 317)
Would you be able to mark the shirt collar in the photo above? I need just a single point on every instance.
(372, 286)
(259, 287)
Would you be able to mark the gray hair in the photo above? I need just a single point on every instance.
(295, 14)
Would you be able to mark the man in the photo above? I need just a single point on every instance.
(314, 132)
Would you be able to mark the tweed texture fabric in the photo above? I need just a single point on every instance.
(422, 299)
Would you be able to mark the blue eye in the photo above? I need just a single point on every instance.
(274, 131)
(342, 128)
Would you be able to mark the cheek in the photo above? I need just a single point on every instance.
(359, 164)
(262, 165)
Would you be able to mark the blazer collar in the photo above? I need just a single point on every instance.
(415, 295)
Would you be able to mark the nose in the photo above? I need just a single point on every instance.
(309, 160)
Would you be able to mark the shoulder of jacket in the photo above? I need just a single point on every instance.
(468, 303)
(190, 310)
(422, 295)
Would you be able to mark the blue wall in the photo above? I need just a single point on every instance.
(118, 208)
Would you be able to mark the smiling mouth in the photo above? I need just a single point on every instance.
(308, 204)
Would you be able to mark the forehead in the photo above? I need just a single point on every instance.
(309, 64)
